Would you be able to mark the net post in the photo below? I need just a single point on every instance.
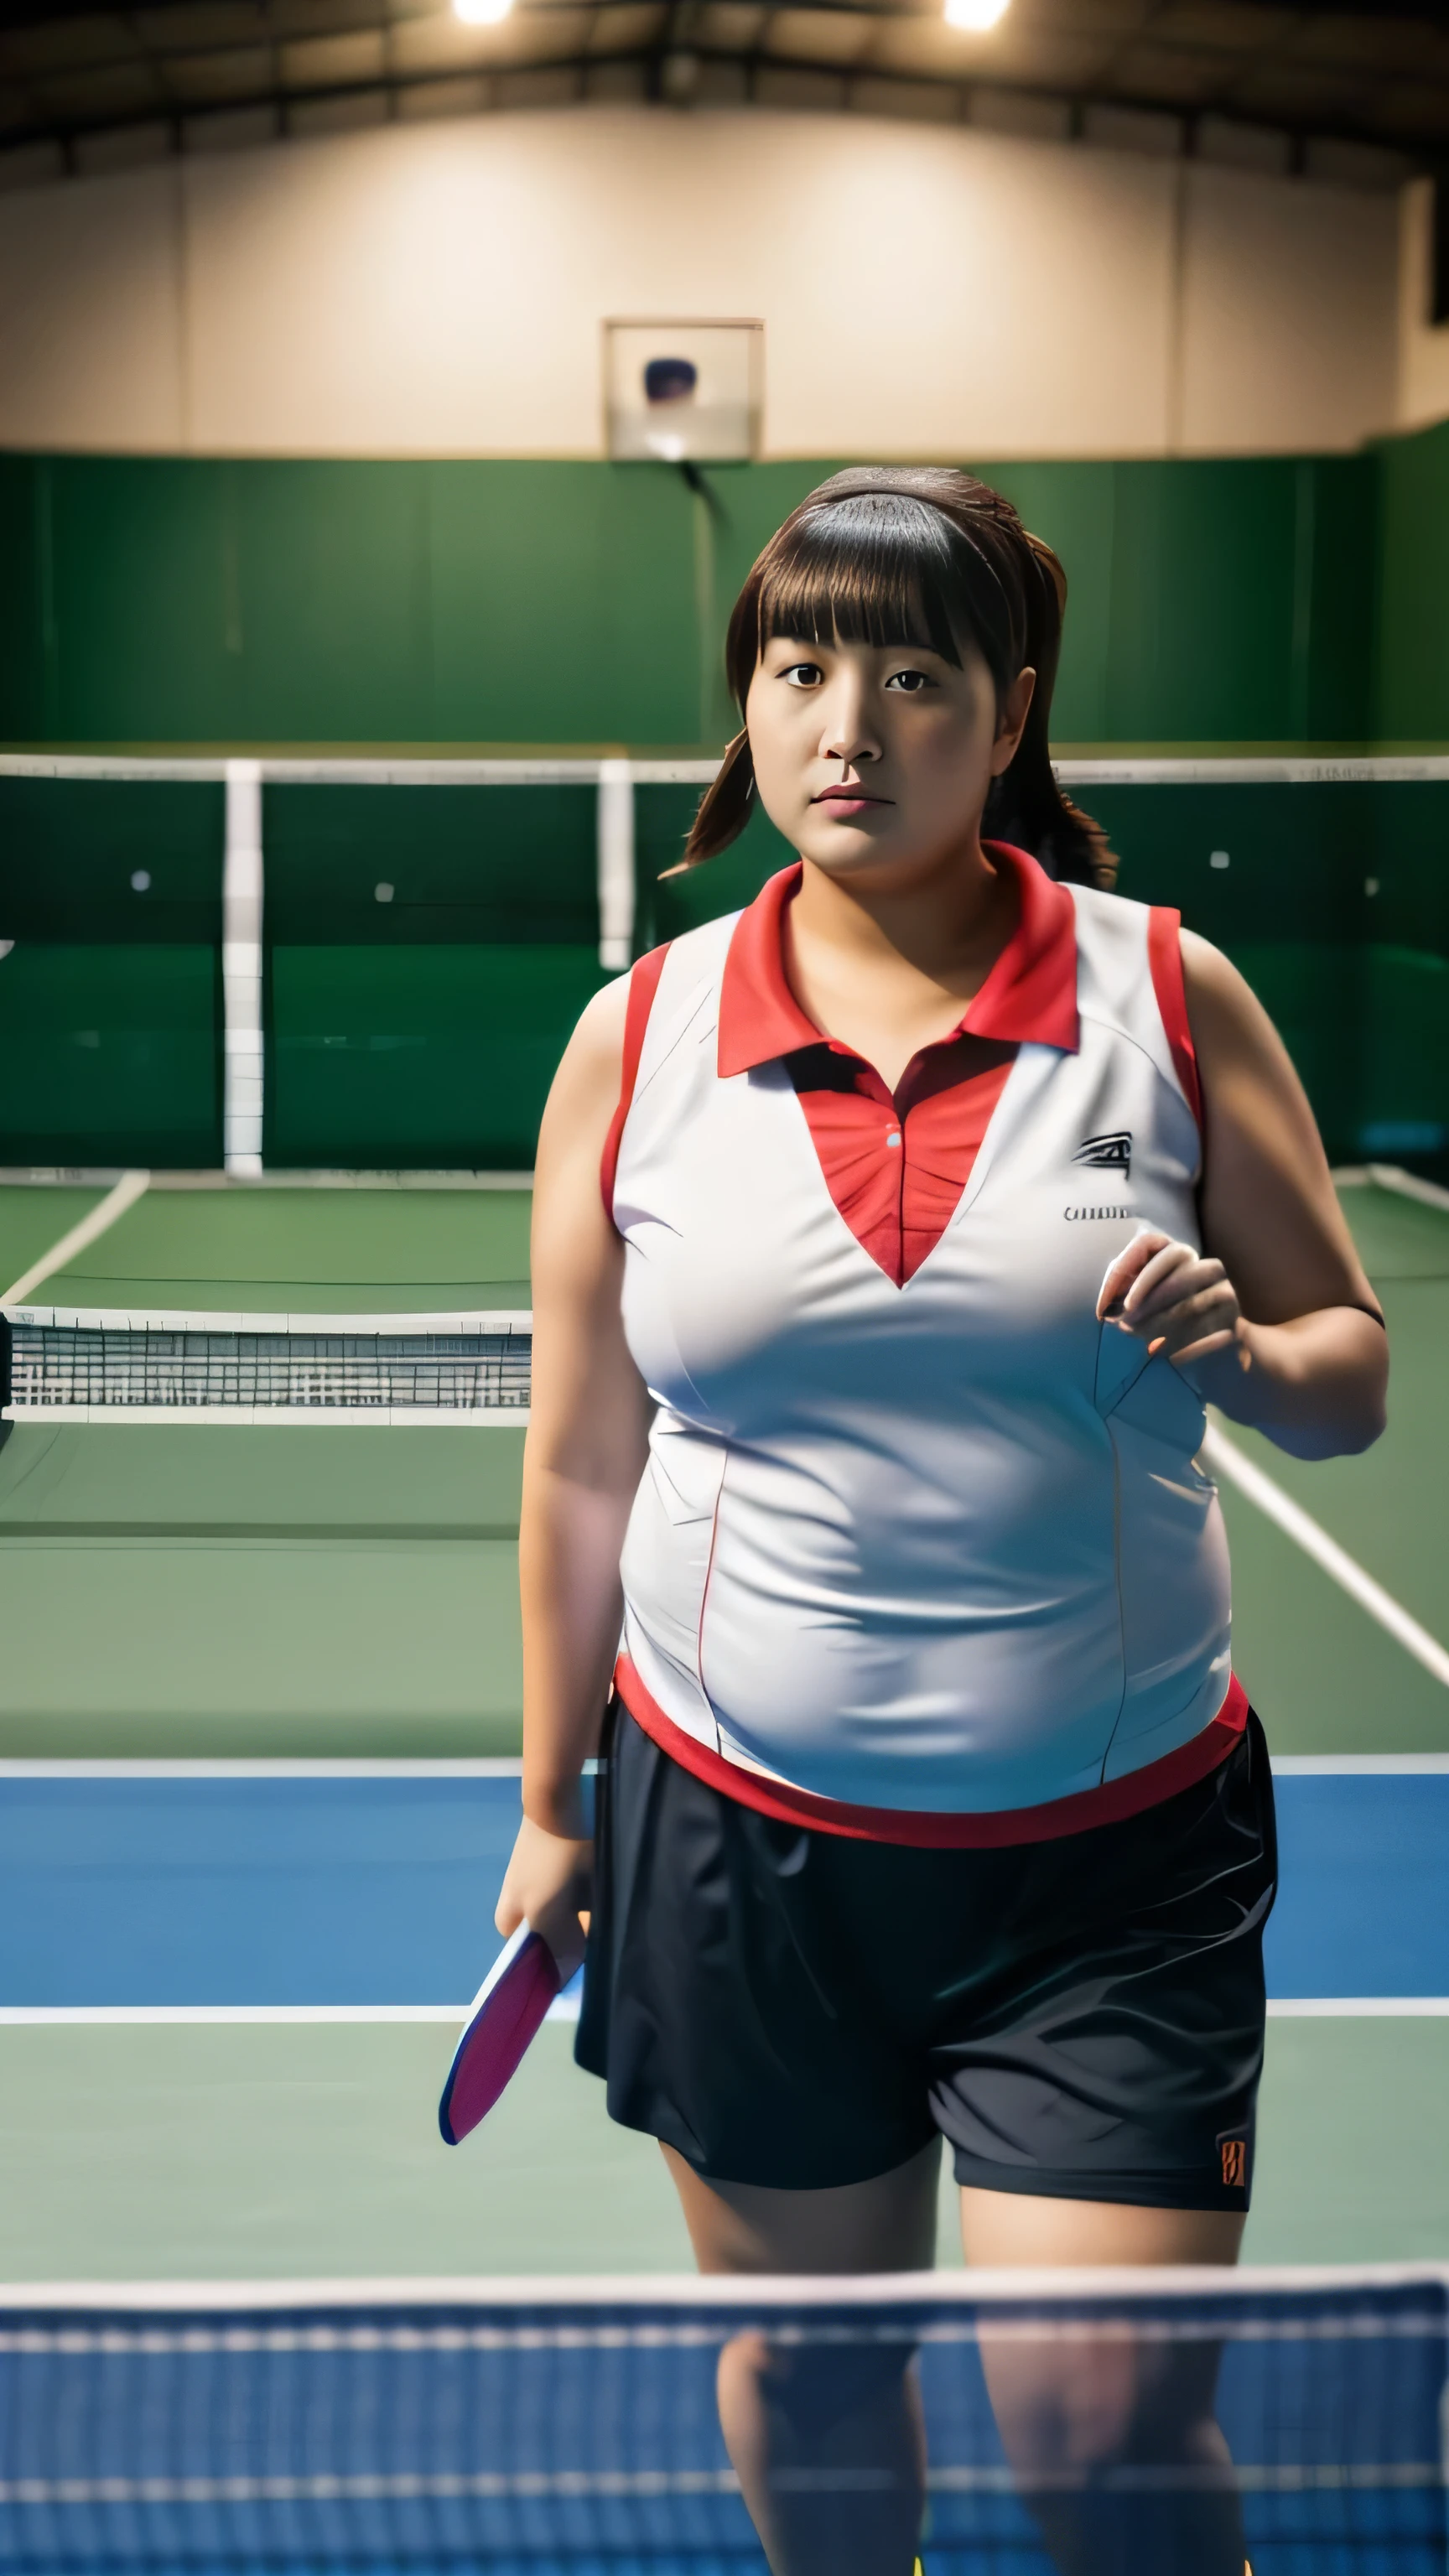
(241, 970)
(616, 864)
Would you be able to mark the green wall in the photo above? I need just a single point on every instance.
(159, 600)
(188, 602)
(110, 1000)
(1412, 692)
(1334, 903)
(428, 950)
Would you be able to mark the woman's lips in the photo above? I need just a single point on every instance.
(849, 801)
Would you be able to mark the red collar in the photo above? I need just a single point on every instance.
(1030, 995)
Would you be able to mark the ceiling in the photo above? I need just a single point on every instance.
(1339, 89)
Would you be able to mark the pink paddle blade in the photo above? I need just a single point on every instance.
(502, 2021)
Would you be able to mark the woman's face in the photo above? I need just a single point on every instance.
(875, 761)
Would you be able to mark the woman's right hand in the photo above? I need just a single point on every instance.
(547, 1885)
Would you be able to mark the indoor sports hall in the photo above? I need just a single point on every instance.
(393, 399)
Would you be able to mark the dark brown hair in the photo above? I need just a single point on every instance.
(923, 555)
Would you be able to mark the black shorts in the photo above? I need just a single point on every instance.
(1081, 2018)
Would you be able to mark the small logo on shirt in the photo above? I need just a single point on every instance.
(1107, 1153)
(1235, 2162)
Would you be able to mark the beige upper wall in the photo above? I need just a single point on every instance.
(90, 315)
(926, 291)
(1290, 314)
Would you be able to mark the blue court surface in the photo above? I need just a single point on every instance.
(285, 1891)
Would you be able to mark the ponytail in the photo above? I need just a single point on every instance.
(925, 554)
(1025, 805)
(724, 808)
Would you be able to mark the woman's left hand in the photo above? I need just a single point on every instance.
(1175, 1300)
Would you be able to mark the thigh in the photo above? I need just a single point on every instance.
(887, 2224)
(1015, 2230)
(1067, 2405)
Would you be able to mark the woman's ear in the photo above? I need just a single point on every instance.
(1011, 720)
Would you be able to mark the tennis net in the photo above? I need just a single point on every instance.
(57, 1364)
(566, 2430)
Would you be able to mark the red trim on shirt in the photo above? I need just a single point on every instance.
(898, 1198)
(643, 985)
(759, 1017)
(1164, 956)
(1111, 1803)
(1030, 995)
(896, 1164)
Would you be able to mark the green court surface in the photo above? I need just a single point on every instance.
(327, 1590)
(206, 1590)
(224, 1591)
(1325, 1677)
(259, 1646)
(320, 1251)
(350, 1589)
(313, 2153)
(32, 1218)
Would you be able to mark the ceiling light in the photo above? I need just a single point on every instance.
(976, 15)
(481, 13)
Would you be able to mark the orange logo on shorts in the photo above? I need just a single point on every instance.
(1235, 2163)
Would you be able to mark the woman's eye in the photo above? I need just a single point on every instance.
(803, 675)
(912, 682)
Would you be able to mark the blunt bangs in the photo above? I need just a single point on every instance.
(930, 558)
(882, 569)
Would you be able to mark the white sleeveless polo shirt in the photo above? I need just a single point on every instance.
(933, 1561)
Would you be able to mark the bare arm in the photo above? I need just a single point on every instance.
(582, 1462)
(1276, 1322)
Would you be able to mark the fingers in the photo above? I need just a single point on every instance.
(1201, 1349)
(1198, 1320)
(1127, 1266)
(1197, 1301)
(1173, 1275)
(1229, 1338)
(1178, 1301)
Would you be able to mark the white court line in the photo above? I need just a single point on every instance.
(130, 1187)
(1388, 1176)
(1359, 1766)
(1224, 1459)
(143, 2016)
(509, 1766)
(565, 2007)
(1358, 2008)
(502, 1766)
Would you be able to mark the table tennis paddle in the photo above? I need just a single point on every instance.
(503, 2019)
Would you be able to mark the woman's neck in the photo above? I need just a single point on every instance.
(887, 969)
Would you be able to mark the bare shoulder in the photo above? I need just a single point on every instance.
(1205, 968)
(585, 1088)
(1222, 1007)
(596, 1048)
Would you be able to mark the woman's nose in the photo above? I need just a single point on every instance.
(847, 735)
